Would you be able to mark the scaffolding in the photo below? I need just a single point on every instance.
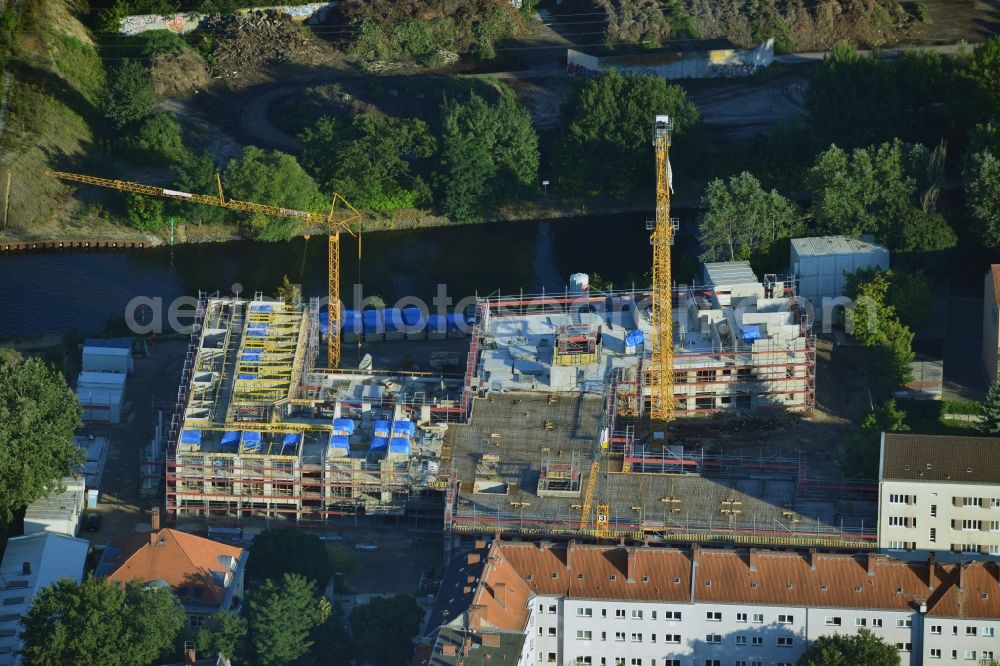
(559, 476)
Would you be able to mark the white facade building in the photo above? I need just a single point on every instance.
(29, 564)
(107, 356)
(939, 493)
(612, 606)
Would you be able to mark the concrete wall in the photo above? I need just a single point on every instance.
(991, 329)
(708, 64)
(183, 23)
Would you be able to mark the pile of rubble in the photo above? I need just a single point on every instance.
(246, 44)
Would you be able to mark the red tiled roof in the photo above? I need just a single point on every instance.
(179, 559)
(728, 576)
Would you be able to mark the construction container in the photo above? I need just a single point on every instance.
(821, 264)
(102, 396)
(107, 356)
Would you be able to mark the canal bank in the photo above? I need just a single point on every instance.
(58, 291)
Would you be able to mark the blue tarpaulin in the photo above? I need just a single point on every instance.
(343, 426)
(380, 444)
(252, 357)
(246, 375)
(231, 440)
(412, 317)
(402, 427)
(262, 307)
(399, 445)
(191, 437)
(381, 428)
(750, 332)
(633, 338)
(251, 440)
(341, 442)
(290, 443)
(373, 321)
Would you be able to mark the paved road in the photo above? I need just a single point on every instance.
(745, 107)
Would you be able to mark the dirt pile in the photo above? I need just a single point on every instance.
(796, 25)
(245, 45)
(178, 74)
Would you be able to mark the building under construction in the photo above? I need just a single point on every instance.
(543, 434)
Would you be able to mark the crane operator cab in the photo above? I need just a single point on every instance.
(662, 127)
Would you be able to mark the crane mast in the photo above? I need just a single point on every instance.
(333, 224)
(661, 404)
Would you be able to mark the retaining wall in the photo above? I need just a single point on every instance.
(182, 23)
(693, 64)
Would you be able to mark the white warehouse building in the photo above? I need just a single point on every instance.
(821, 263)
(612, 606)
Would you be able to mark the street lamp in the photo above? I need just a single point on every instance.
(545, 186)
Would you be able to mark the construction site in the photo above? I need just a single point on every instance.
(561, 424)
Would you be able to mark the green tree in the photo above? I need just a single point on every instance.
(874, 323)
(128, 97)
(145, 213)
(159, 139)
(95, 623)
(488, 152)
(384, 628)
(197, 174)
(982, 193)
(273, 178)
(371, 163)
(286, 550)
(907, 292)
(332, 643)
(9, 356)
(863, 449)
(110, 18)
(282, 617)
(225, 633)
(990, 425)
(984, 69)
(38, 416)
(863, 647)
(741, 217)
(606, 128)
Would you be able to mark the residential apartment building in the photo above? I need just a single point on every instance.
(939, 493)
(614, 606)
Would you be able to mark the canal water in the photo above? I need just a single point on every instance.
(55, 292)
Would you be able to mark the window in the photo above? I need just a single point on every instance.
(636, 661)
(620, 613)
(713, 662)
(758, 618)
(540, 631)
(636, 638)
(972, 501)
(901, 521)
(988, 632)
(552, 631)
(585, 612)
(986, 655)
(903, 624)
(902, 499)
(552, 609)
(713, 638)
(995, 526)
(877, 622)
(713, 616)
(933, 535)
(756, 640)
(832, 621)
(551, 658)
(995, 503)
(195, 621)
(652, 615)
(674, 639)
(620, 636)
(672, 662)
(584, 660)
(756, 663)
(636, 614)
(935, 653)
(784, 641)
(785, 619)
(671, 615)
(936, 629)
(970, 631)
(971, 525)
(970, 655)
(995, 550)
(740, 662)
(619, 661)
(970, 548)
(860, 622)
(604, 635)
(741, 639)
(741, 617)
(904, 647)
(582, 635)
(604, 612)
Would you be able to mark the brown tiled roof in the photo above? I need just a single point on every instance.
(941, 458)
(728, 576)
(179, 559)
(977, 594)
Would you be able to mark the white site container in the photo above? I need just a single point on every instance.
(822, 263)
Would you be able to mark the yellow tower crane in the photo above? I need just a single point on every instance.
(334, 224)
(661, 382)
